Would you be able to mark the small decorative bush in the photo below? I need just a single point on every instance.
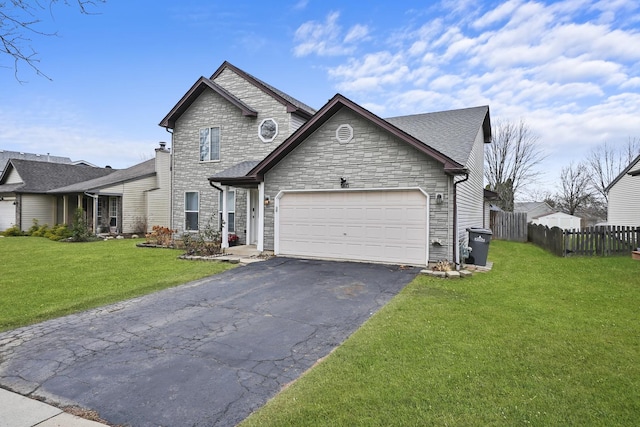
(442, 265)
(13, 231)
(204, 243)
(58, 232)
(160, 236)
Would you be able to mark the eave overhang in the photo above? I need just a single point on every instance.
(325, 113)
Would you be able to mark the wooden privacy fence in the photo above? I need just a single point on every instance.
(508, 225)
(601, 241)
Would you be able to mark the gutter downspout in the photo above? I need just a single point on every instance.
(456, 244)
(173, 152)
(224, 200)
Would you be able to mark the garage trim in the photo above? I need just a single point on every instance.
(281, 193)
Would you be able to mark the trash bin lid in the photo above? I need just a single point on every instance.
(480, 230)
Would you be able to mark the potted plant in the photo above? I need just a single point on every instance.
(233, 239)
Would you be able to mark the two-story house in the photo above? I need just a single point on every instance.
(229, 121)
(339, 183)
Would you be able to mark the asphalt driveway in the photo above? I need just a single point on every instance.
(207, 353)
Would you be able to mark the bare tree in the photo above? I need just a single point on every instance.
(575, 190)
(19, 21)
(511, 160)
(606, 161)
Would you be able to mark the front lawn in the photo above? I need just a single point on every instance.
(41, 279)
(540, 340)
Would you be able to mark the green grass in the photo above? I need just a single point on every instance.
(41, 279)
(540, 340)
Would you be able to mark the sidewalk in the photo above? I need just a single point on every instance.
(20, 411)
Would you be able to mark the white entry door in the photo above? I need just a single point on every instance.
(389, 226)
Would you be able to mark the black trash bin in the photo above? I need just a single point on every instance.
(479, 239)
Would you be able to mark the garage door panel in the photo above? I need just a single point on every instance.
(7, 214)
(380, 226)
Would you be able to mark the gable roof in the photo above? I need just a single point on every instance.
(451, 132)
(141, 170)
(40, 177)
(338, 102)
(627, 170)
(292, 104)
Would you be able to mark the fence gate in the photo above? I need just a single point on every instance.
(508, 225)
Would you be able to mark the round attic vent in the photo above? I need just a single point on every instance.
(344, 134)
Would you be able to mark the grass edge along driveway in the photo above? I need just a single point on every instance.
(540, 340)
(41, 279)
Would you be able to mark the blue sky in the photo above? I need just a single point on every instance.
(570, 69)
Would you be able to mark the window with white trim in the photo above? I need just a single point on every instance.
(268, 130)
(231, 210)
(209, 144)
(191, 210)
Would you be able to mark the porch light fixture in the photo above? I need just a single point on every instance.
(439, 198)
(344, 183)
(267, 201)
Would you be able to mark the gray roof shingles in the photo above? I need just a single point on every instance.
(450, 132)
(140, 170)
(40, 177)
(235, 171)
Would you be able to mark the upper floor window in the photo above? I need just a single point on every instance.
(209, 144)
(268, 130)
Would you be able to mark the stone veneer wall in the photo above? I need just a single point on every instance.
(239, 142)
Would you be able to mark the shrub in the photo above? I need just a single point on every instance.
(160, 236)
(58, 232)
(39, 231)
(13, 231)
(79, 230)
(204, 243)
(34, 228)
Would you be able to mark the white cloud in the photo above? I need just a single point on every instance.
(324, 38)
(357, 32)
(570, 68)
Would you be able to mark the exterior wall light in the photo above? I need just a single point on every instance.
(267, 201)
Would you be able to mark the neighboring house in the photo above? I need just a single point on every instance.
(6, 155)
(533, 209)
(119, 201)
(624, 197)
(342, 183)
(130, 200)
(558, 219)
(24, 187)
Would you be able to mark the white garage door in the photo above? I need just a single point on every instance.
(7, 214)
(379, 226)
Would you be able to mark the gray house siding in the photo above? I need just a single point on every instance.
(38, 207)
(470, 192)
(372, 159)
